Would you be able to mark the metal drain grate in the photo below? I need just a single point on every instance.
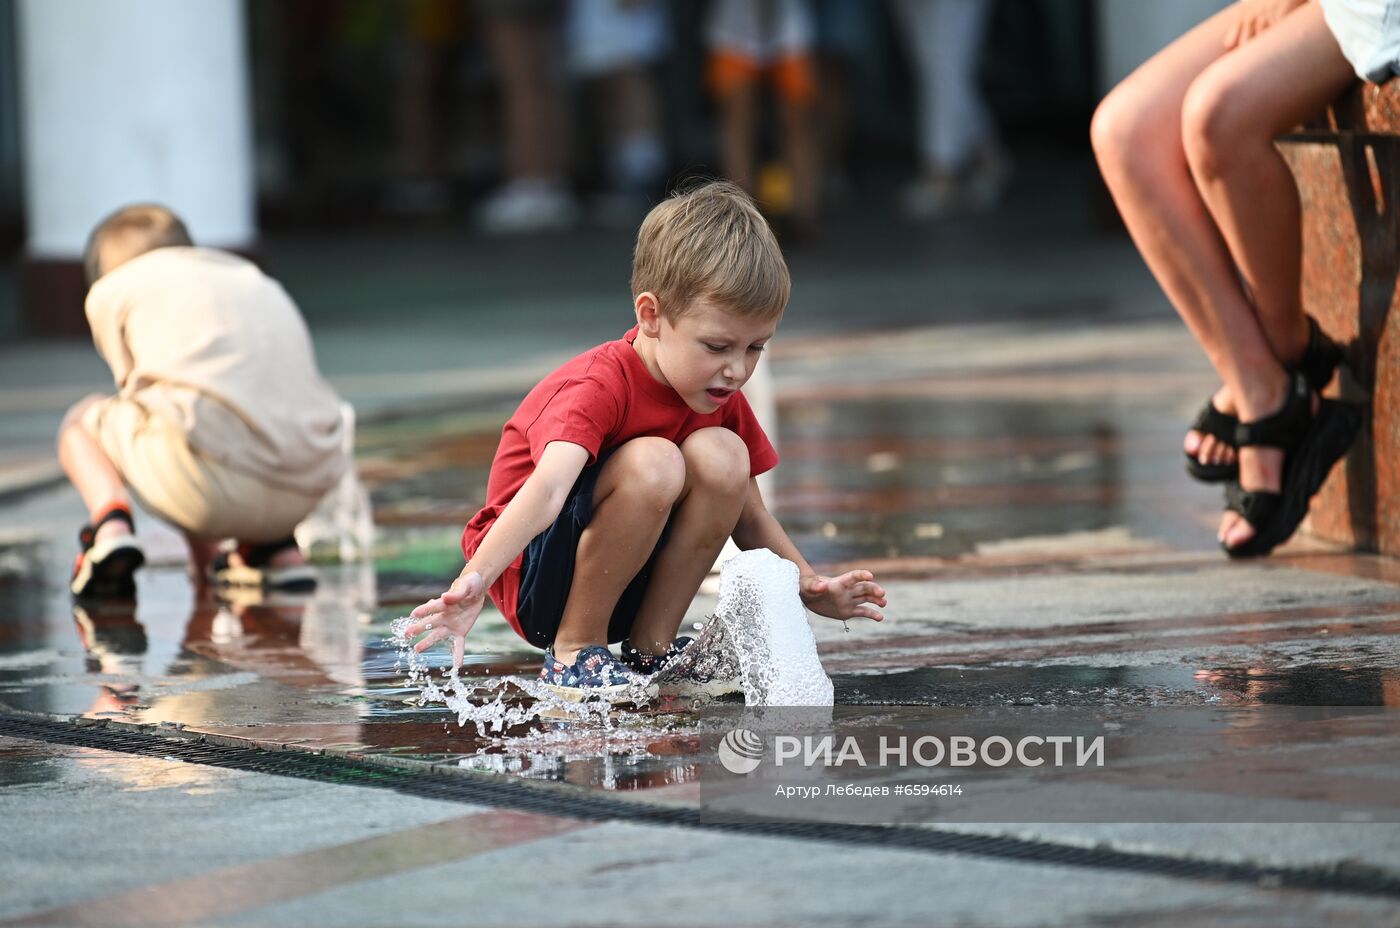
(489, 790)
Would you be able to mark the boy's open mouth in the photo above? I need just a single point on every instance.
(718, 394)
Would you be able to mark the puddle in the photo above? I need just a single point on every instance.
(318, 674)
(1062, 685)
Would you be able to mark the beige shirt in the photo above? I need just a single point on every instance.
(206, 341)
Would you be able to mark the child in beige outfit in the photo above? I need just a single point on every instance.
(221, 425)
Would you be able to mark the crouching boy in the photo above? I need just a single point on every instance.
(621, 475)
(221, 424)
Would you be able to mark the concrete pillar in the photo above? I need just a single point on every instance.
(1131, 31)
(137, 100)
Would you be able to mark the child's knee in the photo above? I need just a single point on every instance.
(718, 460)
(652, 468)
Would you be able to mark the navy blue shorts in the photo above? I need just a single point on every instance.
(547, 569)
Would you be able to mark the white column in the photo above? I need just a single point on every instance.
(134, 100)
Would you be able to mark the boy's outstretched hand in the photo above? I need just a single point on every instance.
(450, 615)
(844, 597)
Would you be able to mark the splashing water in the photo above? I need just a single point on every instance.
(762, 624)
(759, 636)
(496, 704)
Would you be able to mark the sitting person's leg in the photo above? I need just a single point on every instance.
(716, 486)
(1137, 136)
(1231, 116)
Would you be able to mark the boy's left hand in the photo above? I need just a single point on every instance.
(844, 597)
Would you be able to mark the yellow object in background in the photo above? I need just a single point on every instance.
(775, 193)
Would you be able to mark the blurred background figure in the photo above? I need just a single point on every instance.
(614, 48)
(431, 41)
(359, 117)
(758, 43)
(845, 40)
(526, 43)
(962, 161)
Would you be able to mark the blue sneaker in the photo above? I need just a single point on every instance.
(594, 673)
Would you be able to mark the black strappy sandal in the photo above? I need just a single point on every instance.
(1318, 363)
(107, 569)
(1312, 443)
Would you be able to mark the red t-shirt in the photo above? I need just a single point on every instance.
(601, 399)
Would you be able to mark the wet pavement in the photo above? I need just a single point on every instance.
(1014, 480)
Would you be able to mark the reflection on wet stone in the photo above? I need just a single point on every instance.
(1042, 549)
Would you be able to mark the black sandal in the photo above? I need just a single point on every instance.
(1318, 363)
(1312, 443)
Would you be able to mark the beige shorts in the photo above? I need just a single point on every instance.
(177, 483)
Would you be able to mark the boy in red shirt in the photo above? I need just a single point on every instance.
(621, 475)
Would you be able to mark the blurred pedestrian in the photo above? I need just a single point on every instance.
(527, 46)
(1186, 145)
(767, 42)
(962, 163)
(845, 40)
(221, 425)
(433, 32)
(615, 46)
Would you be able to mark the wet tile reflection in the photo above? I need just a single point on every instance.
(318, 673)
(1050, 460)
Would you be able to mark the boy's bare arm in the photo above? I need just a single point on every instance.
(533, 509)
(854, 593)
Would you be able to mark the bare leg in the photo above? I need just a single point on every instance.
(738, 110)
(93, 474)
(1137, 135)
(1231, 116)
(533, 100)
(803, 157)
(636, 158)
(716, 485)
(631, 503)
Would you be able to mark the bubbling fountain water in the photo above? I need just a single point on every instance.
(763, 624)
(759, 636)
(496, 704)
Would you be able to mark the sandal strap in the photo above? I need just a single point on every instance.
(87, 535)
(1285, 428)
(1213, 422)
(1254, 505)
(1320, 359)
(1257, 507)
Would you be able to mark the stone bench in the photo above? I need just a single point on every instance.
(1347, 165)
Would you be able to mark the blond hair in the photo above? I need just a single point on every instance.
(710, 242)
(131, 231)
